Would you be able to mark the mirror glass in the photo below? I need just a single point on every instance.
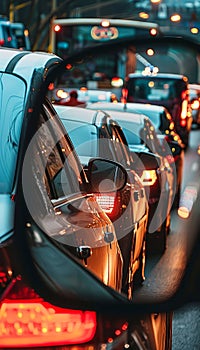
(69, 215)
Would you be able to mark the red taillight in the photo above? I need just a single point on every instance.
(57, 28)
(26, 320)
(2, 42)
(110, 203)
(148, 177)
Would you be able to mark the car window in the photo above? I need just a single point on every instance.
(11, 91)
(83, 136)
(132, 132)
(54, 159)
(120, 146)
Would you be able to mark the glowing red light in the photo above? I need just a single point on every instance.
(57, 28)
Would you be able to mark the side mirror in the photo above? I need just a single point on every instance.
(106, 175)
(146, 160)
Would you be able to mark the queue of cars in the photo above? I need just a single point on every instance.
(57, 203)
(95, 134)
(148, 159)
(171, 142)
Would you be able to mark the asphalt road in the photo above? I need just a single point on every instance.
(186, 321)
(164, 271)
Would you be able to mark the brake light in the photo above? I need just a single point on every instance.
(184, 110)
(26, 320)
(110, 203)
(148, 177)
(2, 42)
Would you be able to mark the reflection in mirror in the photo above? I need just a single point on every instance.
(103, 242)
(92, 77)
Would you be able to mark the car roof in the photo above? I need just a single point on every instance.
(89, 116)
(24, 63)
(75, 113)
(130, 106)
(158, 75)
(116, 114)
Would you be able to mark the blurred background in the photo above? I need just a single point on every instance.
(173, 16)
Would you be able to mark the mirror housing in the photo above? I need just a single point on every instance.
(147, 160)
(105, 175)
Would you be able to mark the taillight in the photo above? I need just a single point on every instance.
(26, 320)
(148, 177)
(110, 203)
(2, 42)
(184, 109)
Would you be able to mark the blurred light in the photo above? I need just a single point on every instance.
(57, 28)
(117, 82)
(153, 31)
(175, 17)
(105, 23)
(150, 52)
(62, 94)
(195, 104)
(151, 84)
(194, 30)
(155, 1)
(183, 212)
(187, 200)
(144, 15)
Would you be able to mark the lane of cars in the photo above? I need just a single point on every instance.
(95, 134)
(157, 175)
(70, 221)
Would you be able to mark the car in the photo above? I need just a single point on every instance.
(94, 134)
(157, 175)
(169, 90)
(165, 130)
(194, 92)
(67, 230)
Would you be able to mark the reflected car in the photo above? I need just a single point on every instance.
(166, 132)
(169, 90)
(95, 134)
(156, 173)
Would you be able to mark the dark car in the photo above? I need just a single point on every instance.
(94, 134)
(67, 233)
(166, 132)
(168, 90)
(156, 174)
